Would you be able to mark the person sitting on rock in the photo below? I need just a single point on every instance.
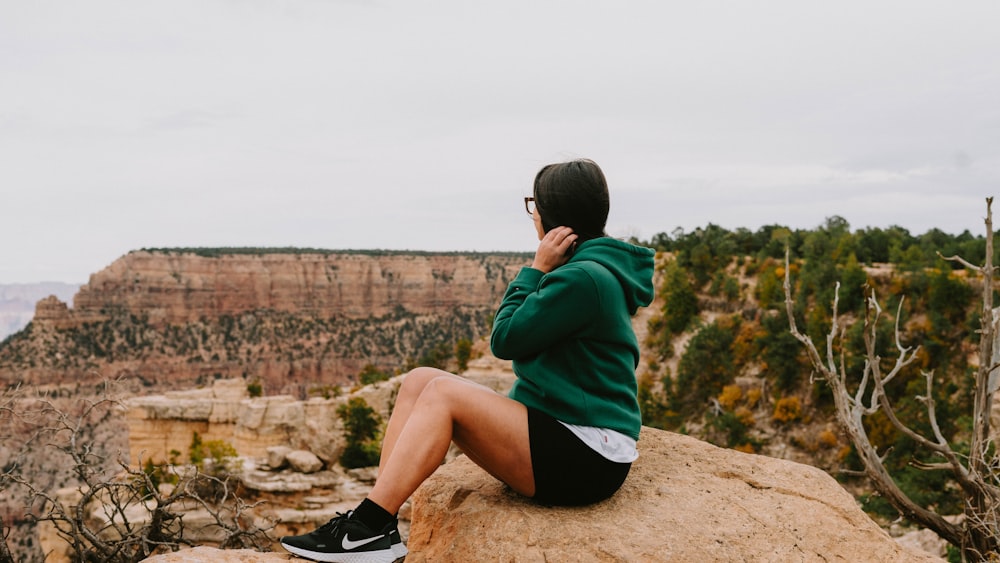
(566, 433)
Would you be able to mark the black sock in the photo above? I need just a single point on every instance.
(373, 515)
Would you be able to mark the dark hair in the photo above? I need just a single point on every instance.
(573, 194)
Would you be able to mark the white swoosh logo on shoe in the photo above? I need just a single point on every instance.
(351, 545)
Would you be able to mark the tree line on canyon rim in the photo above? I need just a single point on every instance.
(720, 362)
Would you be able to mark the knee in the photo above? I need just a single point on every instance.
(415, 382)
(441, 392)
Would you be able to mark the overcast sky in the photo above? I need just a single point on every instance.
(420, 124)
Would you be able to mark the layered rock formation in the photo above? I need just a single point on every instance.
(177, 287)
(161, 424)
(291, 321)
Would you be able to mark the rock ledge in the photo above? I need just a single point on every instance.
(685, 500)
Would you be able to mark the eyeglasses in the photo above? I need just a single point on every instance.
(529, 205)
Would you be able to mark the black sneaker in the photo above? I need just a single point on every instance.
(396, 541)
(342, 540)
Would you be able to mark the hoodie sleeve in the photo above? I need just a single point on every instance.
(539, 310)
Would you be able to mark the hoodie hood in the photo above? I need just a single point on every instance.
(632, 265)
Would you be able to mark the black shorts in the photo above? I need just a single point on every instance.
(567, 471)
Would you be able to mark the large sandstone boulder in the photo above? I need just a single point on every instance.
(685, 500)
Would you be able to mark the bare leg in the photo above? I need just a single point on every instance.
(409, 391)
(434, 408)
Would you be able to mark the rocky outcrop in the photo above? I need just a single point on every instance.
(176, 286)
(52, 311)
(293, 322)
(685, 500)
(161, 424)
(261, 427)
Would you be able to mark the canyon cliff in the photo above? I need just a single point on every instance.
(293, 321)
(177, 286)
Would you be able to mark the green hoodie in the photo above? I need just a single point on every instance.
(570, 335)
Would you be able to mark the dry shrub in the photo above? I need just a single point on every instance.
(744, 348)
(744, 416)
(787, 409)
(827, 439)
(731, 394)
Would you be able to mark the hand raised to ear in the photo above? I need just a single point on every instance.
(554, 249)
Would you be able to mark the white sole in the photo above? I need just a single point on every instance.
(380, 556)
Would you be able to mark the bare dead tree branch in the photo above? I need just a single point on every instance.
(851, 411)
(121, 515)
(5, 555)
(960, 260)
(978, 474)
